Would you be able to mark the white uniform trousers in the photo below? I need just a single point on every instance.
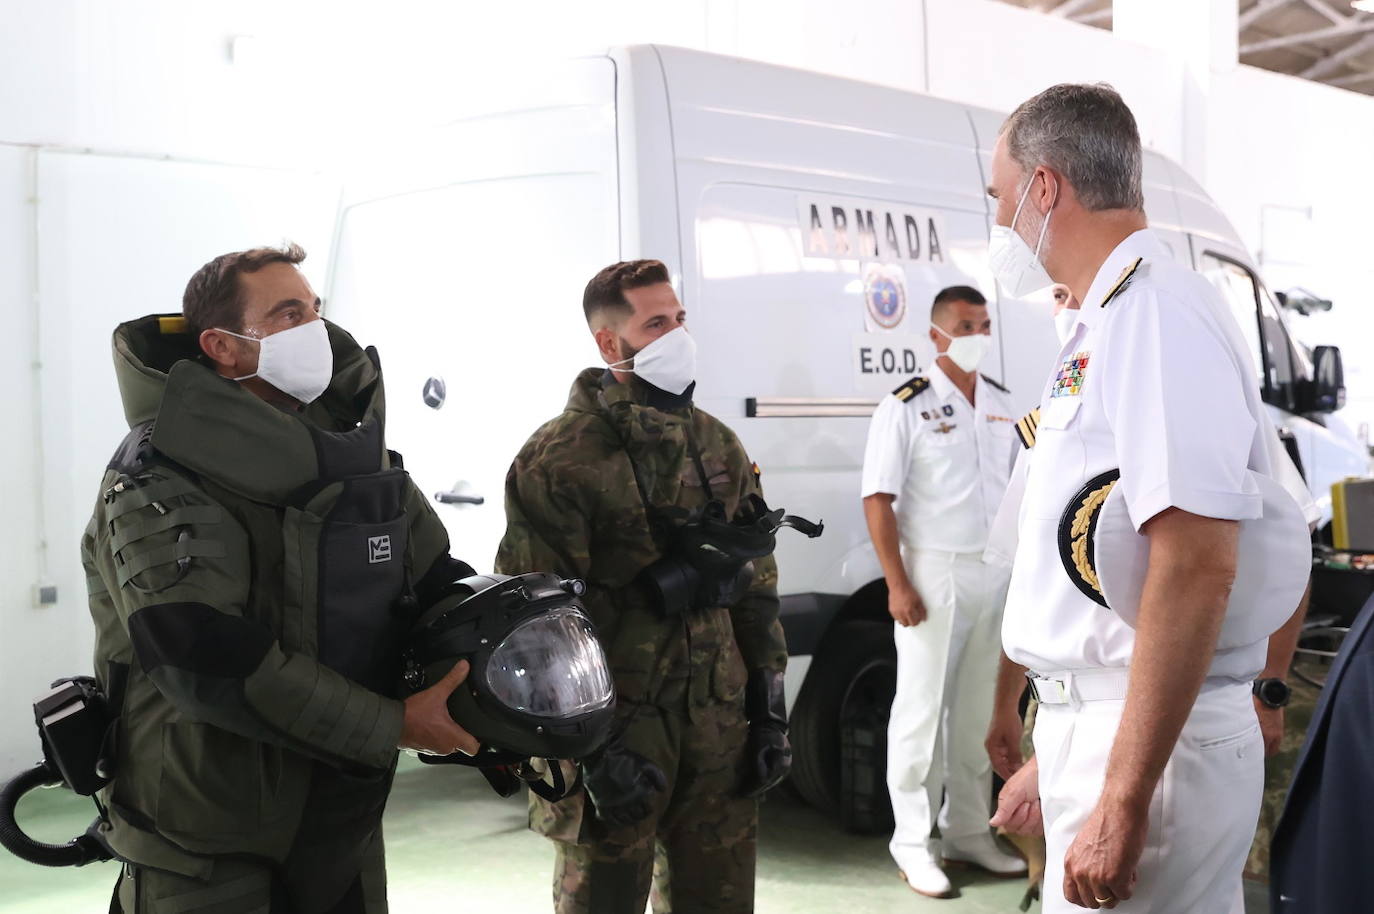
(946, 675)
(1202, 814)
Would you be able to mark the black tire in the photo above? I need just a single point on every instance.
(846, 678)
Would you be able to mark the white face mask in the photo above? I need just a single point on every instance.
(1064, 323)
(299, 362)
(669, 362)
(1018, 269)
(966, 351)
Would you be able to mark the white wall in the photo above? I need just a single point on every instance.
(969, 64)
(24, 631)
(86, 241)
(316, 82)
(131, 151)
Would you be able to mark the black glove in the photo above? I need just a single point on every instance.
(767, 754)
(621, 784)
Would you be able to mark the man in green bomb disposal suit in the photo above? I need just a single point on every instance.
(701, 728)
(254, 558)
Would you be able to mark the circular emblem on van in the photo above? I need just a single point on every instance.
(885, 294)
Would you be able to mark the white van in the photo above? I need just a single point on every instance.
(808, 222)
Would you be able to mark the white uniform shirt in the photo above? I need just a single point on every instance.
(946, 461)
(1158, 383)
(1001, 548)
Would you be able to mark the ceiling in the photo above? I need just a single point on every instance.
(1323, 40)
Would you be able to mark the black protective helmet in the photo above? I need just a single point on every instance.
(539, 686)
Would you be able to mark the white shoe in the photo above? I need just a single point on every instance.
(983, 852)
(923, 875)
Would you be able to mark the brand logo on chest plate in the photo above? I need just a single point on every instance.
(379, 549)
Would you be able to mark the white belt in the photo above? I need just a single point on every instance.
(1082, 685)
(1097, 685)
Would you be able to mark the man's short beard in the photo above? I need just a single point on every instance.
(627, 353)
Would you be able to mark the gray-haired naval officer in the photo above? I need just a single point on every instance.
(1149, 759)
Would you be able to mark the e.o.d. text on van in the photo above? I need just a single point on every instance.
(883, 360)
(846, 228)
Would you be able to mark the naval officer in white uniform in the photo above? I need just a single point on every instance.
(935, 470)
(1149, 760)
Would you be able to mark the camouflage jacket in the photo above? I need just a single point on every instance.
(573, 506)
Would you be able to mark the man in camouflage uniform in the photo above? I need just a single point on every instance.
(701, 730)
(251, 560)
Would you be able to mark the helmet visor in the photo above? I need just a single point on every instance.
(551, 666)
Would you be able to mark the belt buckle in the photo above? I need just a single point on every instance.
(1048, 691)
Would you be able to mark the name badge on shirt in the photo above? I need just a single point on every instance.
(1069, 381)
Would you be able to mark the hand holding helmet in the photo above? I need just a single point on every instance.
(539, 685)
(428, 726)
(622, 785)
(768, 753)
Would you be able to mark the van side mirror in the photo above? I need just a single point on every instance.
(1328, 380)
(1302, 301)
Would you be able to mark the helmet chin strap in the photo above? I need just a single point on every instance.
(505, 772)
(506, 780)
(553, 792)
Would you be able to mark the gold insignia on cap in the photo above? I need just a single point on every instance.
(1123, 280)
(1078, 532)
(1025, 428)
(1076, 529)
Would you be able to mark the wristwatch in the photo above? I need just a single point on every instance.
(1273, 693)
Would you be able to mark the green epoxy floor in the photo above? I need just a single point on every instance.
(453, 845)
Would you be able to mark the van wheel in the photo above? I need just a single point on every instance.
(839, 725)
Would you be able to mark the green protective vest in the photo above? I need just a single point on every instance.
(251, 572)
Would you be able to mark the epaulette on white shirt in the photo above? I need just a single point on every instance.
(911, 388)
(1122, 281)
(1000, 387)
(1026, 426)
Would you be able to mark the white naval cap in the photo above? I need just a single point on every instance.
(1107, 559)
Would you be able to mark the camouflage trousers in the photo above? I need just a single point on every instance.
(241, 886)
(696, 853)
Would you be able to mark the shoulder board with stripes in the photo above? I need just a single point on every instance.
(1025, 429)
(994, 383)
(1123, 280)
(911, 388)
